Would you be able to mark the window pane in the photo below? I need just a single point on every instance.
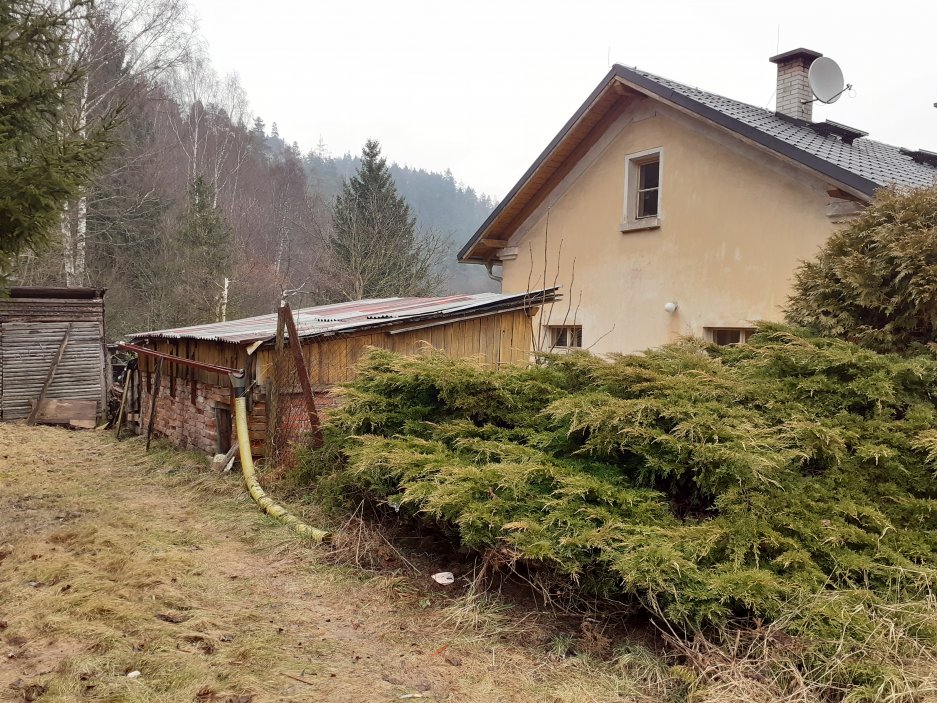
(724, 337)
(647, 203)
(650, 175)
(566, 337)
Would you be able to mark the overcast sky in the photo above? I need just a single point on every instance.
(482, 87)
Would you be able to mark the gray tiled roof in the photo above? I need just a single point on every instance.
(860, 167)
(880, 163)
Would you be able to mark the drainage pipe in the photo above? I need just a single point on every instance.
(250, 476)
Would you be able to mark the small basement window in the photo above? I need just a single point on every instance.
(564, 337)
(726, 336)
(642, 190)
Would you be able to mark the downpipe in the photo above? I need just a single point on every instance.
(278, 512)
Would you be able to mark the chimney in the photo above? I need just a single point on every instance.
(794, 98)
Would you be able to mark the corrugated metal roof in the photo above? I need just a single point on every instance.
(325, 320)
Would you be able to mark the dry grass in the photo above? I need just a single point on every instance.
(117, 562)
(112, 561)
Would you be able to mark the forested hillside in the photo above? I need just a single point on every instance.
(202, 211)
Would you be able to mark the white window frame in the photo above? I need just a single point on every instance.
(744, 333)
(552, 330)
(633, 162)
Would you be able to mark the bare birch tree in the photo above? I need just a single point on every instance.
(127, 45)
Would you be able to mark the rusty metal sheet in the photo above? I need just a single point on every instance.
(325, 320)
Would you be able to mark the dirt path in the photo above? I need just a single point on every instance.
(113, 562)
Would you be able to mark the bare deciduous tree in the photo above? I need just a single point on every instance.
(128, 46)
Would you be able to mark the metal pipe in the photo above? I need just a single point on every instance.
(201, 365)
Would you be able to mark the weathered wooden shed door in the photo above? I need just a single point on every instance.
(27, 349)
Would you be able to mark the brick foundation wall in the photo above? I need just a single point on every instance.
(193, 425)
(185, 424)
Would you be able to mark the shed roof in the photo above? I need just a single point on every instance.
(858, 165)
(358, 315)
(40, 293)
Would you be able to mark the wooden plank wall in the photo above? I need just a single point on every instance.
(495, 339)
(219, 353)
(31, 330)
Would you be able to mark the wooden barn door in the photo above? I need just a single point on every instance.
(27, 351)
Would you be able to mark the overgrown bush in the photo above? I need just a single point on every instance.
(790, 480)
(875, 280)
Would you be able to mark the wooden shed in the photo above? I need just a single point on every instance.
(195, 399)
(52, 355)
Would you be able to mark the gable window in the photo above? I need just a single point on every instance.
(643, 190)
(726, 336)
(561, 337)
(648, 189)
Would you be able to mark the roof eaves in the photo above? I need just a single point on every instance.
(455, 306)
(509, 303)
(843, 176)
(599, 89)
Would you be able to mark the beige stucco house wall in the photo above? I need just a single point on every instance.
(733, 225)
(664, 210)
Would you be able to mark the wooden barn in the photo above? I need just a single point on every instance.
(194, 397)
(53, 362)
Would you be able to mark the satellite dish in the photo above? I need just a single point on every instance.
(826, 80)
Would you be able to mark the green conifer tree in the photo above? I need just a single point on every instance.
(203, 246)
(44, 161)
(875, 280)
(375, 248)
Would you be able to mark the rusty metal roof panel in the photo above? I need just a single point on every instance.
(326, 320)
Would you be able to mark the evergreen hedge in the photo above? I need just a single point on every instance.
(788, 480)
(875, 279)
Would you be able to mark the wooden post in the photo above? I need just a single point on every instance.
(152, 418)
(273, 385)
(31, 420)
(297, 350)
(123, 402)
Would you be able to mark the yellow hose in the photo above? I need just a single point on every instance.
(253, 487)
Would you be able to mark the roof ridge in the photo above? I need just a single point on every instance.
(665, 79)
(773, 113)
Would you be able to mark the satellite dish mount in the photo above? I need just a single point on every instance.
(826, 80)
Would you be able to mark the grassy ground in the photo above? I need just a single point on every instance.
(113, 562)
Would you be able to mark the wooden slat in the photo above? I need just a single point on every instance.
(69, 411)
(28, 348)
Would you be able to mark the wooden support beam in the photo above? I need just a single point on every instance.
(155, 394)
(273, 384)
(125, 391)
(31, 420)
(297, 349)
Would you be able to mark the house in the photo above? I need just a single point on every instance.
(665, 210)
(194, 396)
(53, 366)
